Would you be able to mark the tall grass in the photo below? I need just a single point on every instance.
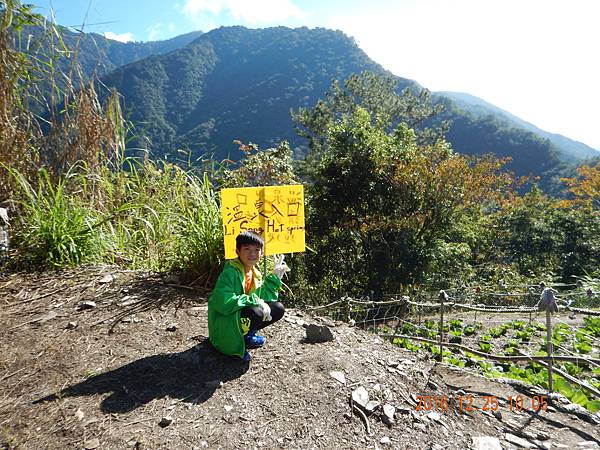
(91, 203)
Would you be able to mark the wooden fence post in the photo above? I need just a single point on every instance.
(548, 303)
(549, 349)
(443, 296)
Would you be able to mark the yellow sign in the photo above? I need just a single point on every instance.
(274, 212)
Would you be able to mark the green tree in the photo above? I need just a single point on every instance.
(375, 93)
(381, 204)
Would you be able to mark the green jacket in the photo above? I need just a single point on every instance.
(226, 301)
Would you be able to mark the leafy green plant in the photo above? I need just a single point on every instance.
(469, 330)
(456, 336)
(484, 346)
(523, 335)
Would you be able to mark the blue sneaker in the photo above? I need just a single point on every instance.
(247, 356)
(254, 340)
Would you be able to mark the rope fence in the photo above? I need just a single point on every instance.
(436, 322)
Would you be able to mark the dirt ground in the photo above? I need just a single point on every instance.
(101, 358)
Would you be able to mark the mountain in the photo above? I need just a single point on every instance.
(94, 52)
(237, 83)
(203, 91)
(569, 149)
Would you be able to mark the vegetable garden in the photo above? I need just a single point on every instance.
(499, 335)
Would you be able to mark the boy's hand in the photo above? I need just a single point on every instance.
(266, 309)
(281, 268)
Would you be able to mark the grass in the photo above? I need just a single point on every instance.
(151, 215)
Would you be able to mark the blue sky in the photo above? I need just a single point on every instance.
(537, 59)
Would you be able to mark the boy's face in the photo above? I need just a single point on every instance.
(249, 254)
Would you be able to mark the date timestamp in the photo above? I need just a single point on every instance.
(469, 403)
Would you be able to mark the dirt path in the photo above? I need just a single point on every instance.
(155, 382)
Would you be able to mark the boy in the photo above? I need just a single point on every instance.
(242, 302)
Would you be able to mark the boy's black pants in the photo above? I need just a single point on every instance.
(255, 315)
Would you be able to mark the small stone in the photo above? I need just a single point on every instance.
(165, 421)
(88, 304)
(435, 416)
(318, 333)
(497, 414)
(172, 327)
(44, 317)
(228, 408)
(542, 435)
(79, 414)
(388, 414)
(519, 442)
(339, 376)
(587, 444)
(486, 443)
(360, 396)
(432, 385)
(371, 406)
(420, 426)
(128, 300)
(92, 444)
(71, 325)
(385, 440)
(106, 279)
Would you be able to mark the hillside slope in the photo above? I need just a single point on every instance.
(236, 83)
(67, 381)
(568, 149)
(94, 52)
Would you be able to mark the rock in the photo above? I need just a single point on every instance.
(318, 333)
(106, 279)
(497, 414)
(519, 442)
(339, 376)
(165, 421)
(228, 408)
(92, 444)
(129, 300)
(388, 414)
(372, 405)
(542, 435)
(435, 416)
(385, 440)
(87, 304)
(71, 325)
(432, 385)
(420, 426)
(172, 327)
(360, 396)
(486, 443)
(79, 414)
(44, 317)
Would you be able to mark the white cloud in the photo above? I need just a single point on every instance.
(124, 37)
(250, 12)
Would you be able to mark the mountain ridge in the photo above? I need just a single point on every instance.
(575, 149)
(235, 83)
